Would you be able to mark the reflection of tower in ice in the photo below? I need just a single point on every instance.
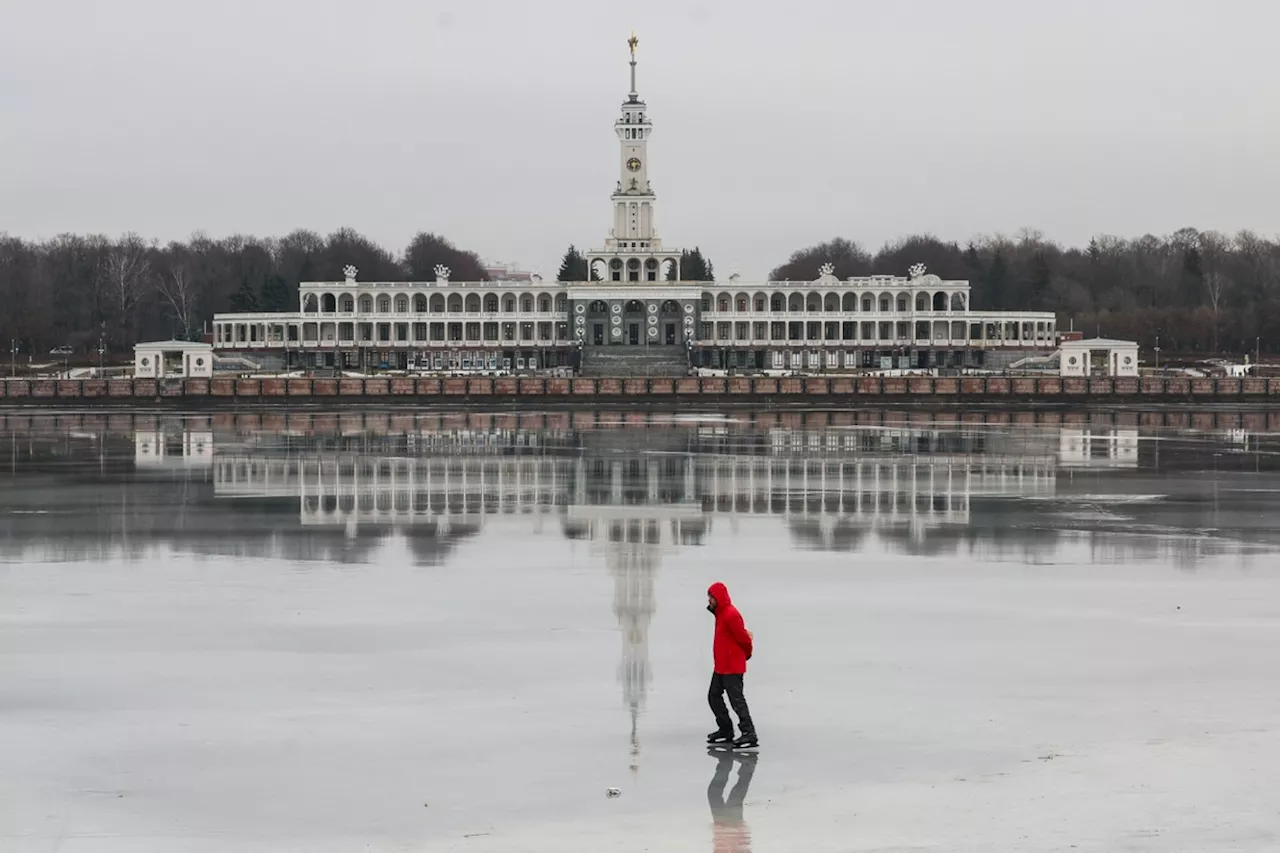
(633, 510)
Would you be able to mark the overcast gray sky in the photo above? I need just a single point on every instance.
(776, 125)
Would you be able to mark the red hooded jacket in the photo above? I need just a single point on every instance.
(732, 644)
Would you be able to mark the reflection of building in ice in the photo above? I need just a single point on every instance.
(1098, 448)
(176, 448)
(632, 510)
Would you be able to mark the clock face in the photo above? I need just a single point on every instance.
(633, 164)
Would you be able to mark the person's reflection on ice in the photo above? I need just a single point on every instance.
(730, 832)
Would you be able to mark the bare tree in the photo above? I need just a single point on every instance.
(177, 287)
(1214, 250)
(127, 274)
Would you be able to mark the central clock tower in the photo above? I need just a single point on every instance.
(633, 250)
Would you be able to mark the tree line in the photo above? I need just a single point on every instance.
(80, 290)
(1194, 291)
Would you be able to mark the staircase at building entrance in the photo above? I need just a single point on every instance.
(634, 361)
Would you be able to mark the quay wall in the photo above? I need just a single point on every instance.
(827, 390)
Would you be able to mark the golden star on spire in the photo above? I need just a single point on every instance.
(633, 42)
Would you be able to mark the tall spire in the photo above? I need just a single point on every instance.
(632, 43)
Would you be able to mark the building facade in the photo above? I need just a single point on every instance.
(637, 302)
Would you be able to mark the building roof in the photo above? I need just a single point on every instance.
(1099, 343)
(178, 345)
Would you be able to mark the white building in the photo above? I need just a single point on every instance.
(173, 360)
(1098, 357)
(638, 304)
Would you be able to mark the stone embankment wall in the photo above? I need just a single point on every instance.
(814, 389)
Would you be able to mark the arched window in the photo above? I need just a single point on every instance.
(599, 306)
(560, 303)
(491, 303)
(509, 304)
(437, 304)
(347, 304)
(419, 303)
(868, 303)
(526, 303)
(722, 302)
(328, 303)
(544, 304)
(831, 302)
(813, 303)
(778, 302)
(922, 302)
(402, 304)
(384, 304)
(366, 304)
(309, 304)
(473, 303)
(850, 302)
(454, 303)
(795, 302)
(904, 302)
(939, 302)
(885, 303)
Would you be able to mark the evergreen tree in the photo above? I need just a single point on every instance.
(997, 282)
(573, 267)
(246, 298)
(693, 267)
(275, 294)
(1040, 281)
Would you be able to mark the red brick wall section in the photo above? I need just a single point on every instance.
(713, 385)
(998, 385)
(554, 387)
(248, 388)
(947, 387)
(1273, 386)
(274, 387)
(298, 387)
(91, 388)
(974, 385)
(1254, 385)
(195, 387)
(43, 388)
(920, 385)
(427, 387)
(403, 387)
(222, 387)
(766, 386)
(843, 385)
(481, 386)
(377, 387)
(1177, 386)
(1075, 385)
(870, 385)
(1229, 387)
(1101, 386)
(1202, 387)
(1049, 385)
(533, 387)
(506, 386)
(635, 387)
(584, 387)
(791, 386)
(610, 388)
(1126, 386)
(351, 387)
(144, 388)
(1151, 385)
(325, 388)
(662, 386)
(69, 388)
(893, 385)
(688, 385)
(817, 385)
(455, 387)
(1024, 387)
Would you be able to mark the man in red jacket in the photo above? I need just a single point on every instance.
(732, 650)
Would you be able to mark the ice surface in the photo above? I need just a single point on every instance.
(1095, 694)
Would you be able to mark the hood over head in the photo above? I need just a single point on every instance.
(720, 593)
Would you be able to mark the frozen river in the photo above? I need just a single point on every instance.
(438, 633)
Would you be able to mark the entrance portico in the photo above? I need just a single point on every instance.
(659, 314)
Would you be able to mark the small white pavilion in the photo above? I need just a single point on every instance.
(173, 360)
(1098, 357)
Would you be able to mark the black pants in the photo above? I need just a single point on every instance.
(731, 684)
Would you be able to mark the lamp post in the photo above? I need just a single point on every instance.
(13, 356)
(1157, 351)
